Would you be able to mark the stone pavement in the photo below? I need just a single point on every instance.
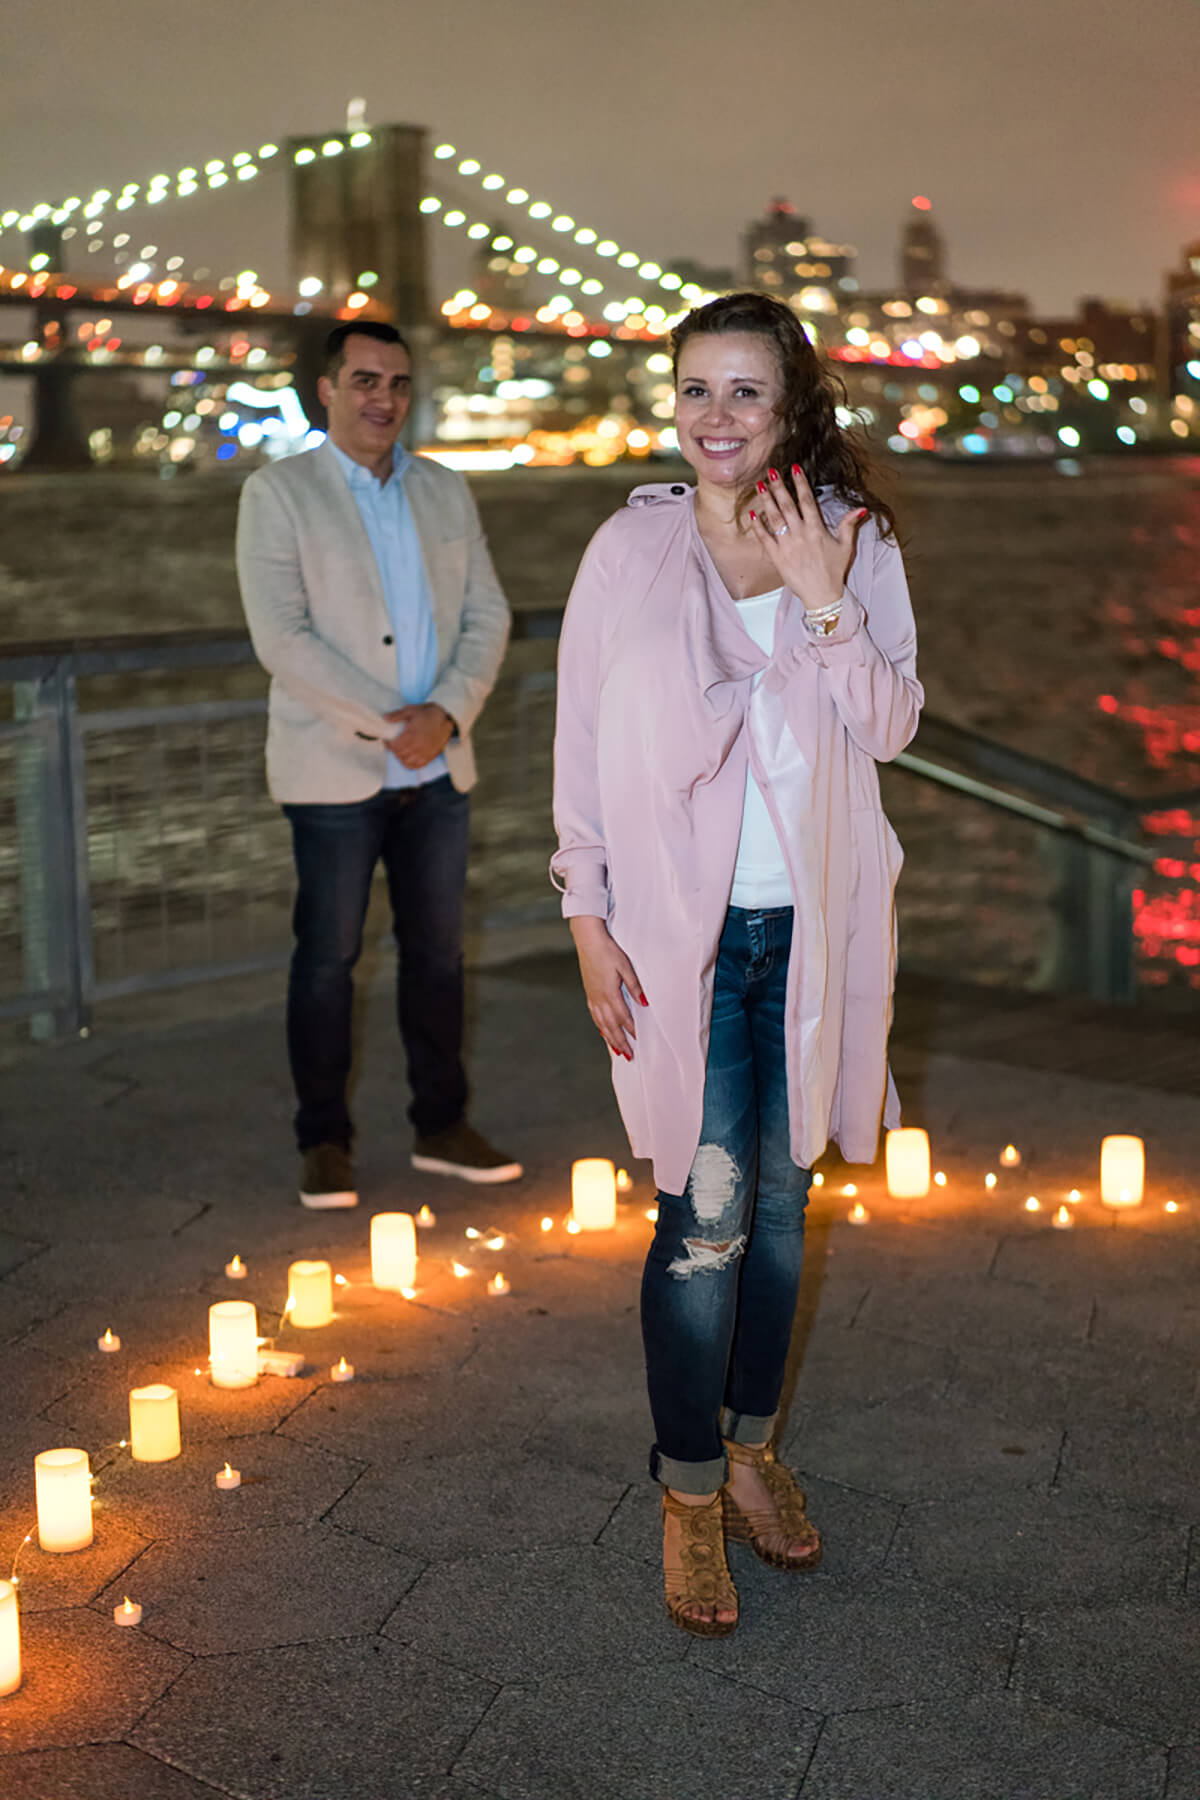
(439, 1581)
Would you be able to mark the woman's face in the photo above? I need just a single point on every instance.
(727, 389)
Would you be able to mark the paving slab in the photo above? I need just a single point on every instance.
(925, 1453)
(980, 1749)
(423, 1415)
(610, 1433)
(1021, 1549)
(52, 1580)
(282, 1483)
(98, 1772)
(1183, 1773)
(96, 1410)
(1132, 1666)
(84, 1681)
(312, 1721)
(839, 1369)
(258, 1589)
(960, 1310)
(1075, 1382)
(453, 1506)
(670, 1734)
(1146, 1460)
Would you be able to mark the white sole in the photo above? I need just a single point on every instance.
(328, 1202)
(433, 1165)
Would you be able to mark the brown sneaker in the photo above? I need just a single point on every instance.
(459, 1150)
(327, 1178)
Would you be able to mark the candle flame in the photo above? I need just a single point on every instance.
(624, 1181)
(128, 1606)
(1010, 1156)
(341, 1365)
(108, 1336)
(547, 1224)
(859, 1213)
(497, 1285)
(426, 1216)
(235, 1262)
(1064, 1216)
(228, 1469)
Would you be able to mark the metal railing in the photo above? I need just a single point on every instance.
(145, 854)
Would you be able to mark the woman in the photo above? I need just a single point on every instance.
(735, 657)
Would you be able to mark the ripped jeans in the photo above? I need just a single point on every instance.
(722, 1275)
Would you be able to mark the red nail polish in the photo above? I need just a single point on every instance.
(642, 998)
(865, 513)
(753, 514)
(774, 474)
(761, 486)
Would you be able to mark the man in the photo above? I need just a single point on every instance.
(372, 601)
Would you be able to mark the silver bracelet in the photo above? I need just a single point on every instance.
(815, 614)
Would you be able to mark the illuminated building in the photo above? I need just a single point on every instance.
(922, 252)
(1179, 344)
(784, 257)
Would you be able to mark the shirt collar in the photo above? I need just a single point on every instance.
(360, 477)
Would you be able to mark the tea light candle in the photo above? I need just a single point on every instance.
(154, 1423)
(594, 1194)
(426, 1217)
(906, 1156)
(393, 1250)
(1063, 1219)
(227, 1479)
(128, 1613)
(624, 1181)
(498, 1285)
(10, 1639)
(63, 1483)
(1122, 1171)
(109, 1343)
(310, 1294)
(858, 1214)
(236, 1269)
(233, 1343)
(1010, 1156)
(342, 1370)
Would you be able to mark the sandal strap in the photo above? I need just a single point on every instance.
(790, 1518)
(698, 1571)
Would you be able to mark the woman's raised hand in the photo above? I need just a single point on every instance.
(606, 970)
(810, 559)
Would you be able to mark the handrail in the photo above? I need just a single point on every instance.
(1025, 809)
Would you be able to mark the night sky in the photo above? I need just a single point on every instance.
(1057, 138)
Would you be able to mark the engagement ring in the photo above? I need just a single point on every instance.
(781, 531)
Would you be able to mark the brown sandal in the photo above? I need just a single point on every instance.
(701, 1576)
(788, 1519)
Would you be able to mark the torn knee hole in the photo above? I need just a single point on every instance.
(699, 1255)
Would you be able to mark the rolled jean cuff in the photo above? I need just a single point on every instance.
(744, 1428)
(688, 1477)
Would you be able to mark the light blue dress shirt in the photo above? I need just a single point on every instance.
(387, 517)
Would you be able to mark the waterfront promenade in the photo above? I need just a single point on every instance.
(439, 1581)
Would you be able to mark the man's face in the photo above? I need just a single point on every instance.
(368, 400)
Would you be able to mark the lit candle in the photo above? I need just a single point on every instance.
(498, 1285)
(426, 1217)
(342, 1370)
(128, 1613)
(10, 1639)
(233, 1343)
(236, 1269)
(594, 1194)
(1063, 1219)
(1010, 1156)
(906, 1156)
(858, 1214)
(1122, 1171)
(63, 1483)
(1033, 1204)
(310, 1294)
(109, 1343)
(393, 1250)
(227, 1479)
(624, 1181)
(153, 1423)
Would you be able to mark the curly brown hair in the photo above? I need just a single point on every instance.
(809, 433)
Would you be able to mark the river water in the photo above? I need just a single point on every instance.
(1058, 609)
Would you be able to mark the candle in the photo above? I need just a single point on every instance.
(233, 1343)
(393, 1250)
(128, 1613)
(939, 1179)
(1063, 1219)
(153, 1423)
(989, 1180)
(858, 1214)
(1074, 1196)
(498, 1285)
(10, 1639)
(1033, 1204)
(1122, 1171)
(426, 1217)
(236, 1269)
(594, 1194)
(818, 1179)
(227, 1479)
(547, 1224)
(1010, 1156)
(850, 1189)
(624, 1181)
(906, 1156)
(1171, 1206)
(342, 1370)
(108, 1343)
(63, 1482)
(310, 1294)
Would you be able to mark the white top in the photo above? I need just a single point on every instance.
(760, 877)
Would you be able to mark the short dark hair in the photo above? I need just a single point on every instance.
(335, 343)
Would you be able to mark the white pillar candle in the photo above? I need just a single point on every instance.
(1122, 1171)
(393, 1250)
(10, 1639)
(594, 1194)
(63, 1481)
(310, 1293)
(233, 1343)
(153, 1423)
(907, 1154)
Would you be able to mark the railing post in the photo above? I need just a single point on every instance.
(1111, 973)
(56, 933)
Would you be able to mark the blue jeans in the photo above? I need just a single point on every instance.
(420, 836)
(722, 1274)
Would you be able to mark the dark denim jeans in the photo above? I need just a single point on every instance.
(722, 1275)
(420, 836)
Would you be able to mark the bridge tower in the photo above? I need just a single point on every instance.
(58, 441)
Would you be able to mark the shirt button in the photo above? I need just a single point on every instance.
(678, 489)
(389, 639)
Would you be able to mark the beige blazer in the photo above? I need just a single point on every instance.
(319, 622)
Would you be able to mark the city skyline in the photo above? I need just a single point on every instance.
(1082, 179)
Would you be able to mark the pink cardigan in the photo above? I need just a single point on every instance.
(655, 725)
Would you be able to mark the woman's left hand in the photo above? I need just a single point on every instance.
(810, 559)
